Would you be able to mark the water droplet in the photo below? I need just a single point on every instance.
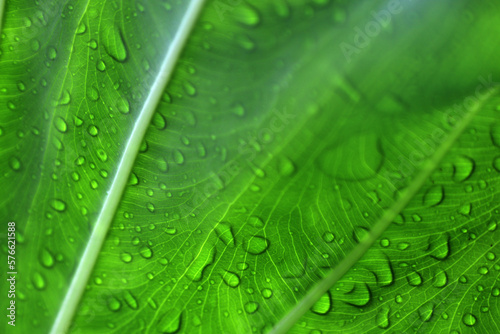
(80, 160)
(131, 300)
(225, 233)
(439, 246)
(203, 259)
(123, 105)
(247, 15)
(328, 237)
(189, 88)
(403, 245)
(257, 245)
(426, 311)
(101, 154)
(414, 279)
(46, 258)
(93, 130)
(434, 196)
(146, 252)
(159, 121)
(286, 167)
(469, 319)
(58, 205)
(15, 163)
(60, 124)
(51, 53)
(170, 322)
(162, 165)
(38, 281)
(267, 293)
(385, 242)
(496, 164)
(382, 318)
(126, 257)
(114, 304)
(323, 305)
(245, 42)
(463, 167)
(231, 279)
(178, 157)
(251, 307)
(101, 66)
(483, 270)
(255, 222)
(440, 279)
(114, 43)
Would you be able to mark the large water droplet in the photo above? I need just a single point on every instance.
(58, 205)
(251, 307)
(434, 196)
(463, 167)
(231, 279)
(225, 233)
(323, 305)
(257, 245)
(426, 311)
(170, 322)
(382, 318)
(203, 259)
(114, 43)
(469, 319)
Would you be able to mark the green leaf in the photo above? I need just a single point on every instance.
(303, 166)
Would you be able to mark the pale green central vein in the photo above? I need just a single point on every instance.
(115, 192)
(332, 277)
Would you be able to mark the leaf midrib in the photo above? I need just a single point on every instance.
(118, 185)
(336, 273)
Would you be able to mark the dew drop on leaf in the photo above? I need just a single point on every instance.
(38, 281)
(58, 205)
(130, 300)
(46, 258)
(257, 245)
(323, 305)
(114, 304)
(114, 43)
(440, 279)
(286, 167)
(255, 222)
(246, 15)
(267, 293)
(178, 157)
(414, 279)
(426, 311)
(15, 163)
(433, 196)
(170, 322)
(463, 167)
(496, 163)
(204, 258)
(126, 257)
(251, 307)
(469, 319)
(225, 234)
(93, 130)
(382, 317)
(60, 124)
(231, 279)
(146, 252)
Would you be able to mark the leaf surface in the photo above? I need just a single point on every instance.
(271, 158)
